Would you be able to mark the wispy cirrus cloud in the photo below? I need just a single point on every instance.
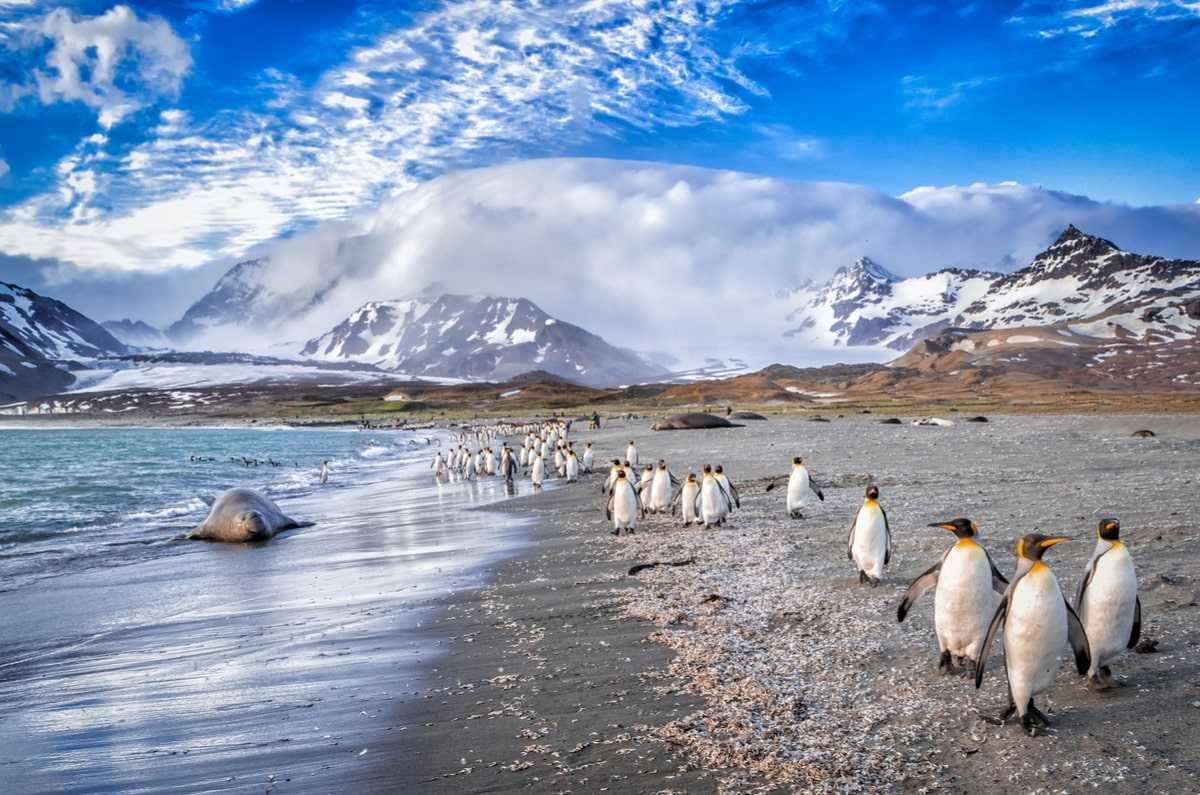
(921, 93)
(1088, 19)
(511, 80)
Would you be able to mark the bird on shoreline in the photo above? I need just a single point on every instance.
(1108, 604)
(714, 501)
(965, 578)
(1037, 622)
(726, 486)
(688, 499)
(624, 507)
(801, 488)
(870, 541)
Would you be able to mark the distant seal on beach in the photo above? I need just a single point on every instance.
(1143, 434)
(693, 421)
(748, 415)
(243, 515)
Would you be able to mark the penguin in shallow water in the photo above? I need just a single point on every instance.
(801, 489)
(870, 542)
(965, 578)
(688, 500)
(571, 468)
(537, 472)
(623, 508)
(1037, 623)
(1107, 602)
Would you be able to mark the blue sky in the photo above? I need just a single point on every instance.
(152, 136)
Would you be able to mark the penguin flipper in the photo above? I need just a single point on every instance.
(736, 499)
(887, 531)
(608, 507)
(999, 581)
(850, 538)
(1077, 637)
(1136, 633)
(919, 586)
(990, 637)
(1086, 580)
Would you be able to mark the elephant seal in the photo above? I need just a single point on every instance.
(694, 421)
(748, 415)
(243, 515)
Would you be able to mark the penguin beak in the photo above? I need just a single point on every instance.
(1053, 540)
(944, 526)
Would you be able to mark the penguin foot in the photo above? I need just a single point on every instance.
(862, 577)
(1035, 717)
(874, 582)
(1003, 717)
(945, 666)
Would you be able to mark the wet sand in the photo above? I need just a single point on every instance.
(765, 667)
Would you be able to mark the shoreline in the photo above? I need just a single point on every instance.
(764, 667)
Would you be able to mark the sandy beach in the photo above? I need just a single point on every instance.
(763, 666)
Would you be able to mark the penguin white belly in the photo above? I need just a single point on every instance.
(798, 490)
(870, 541)
(962, 605)
(625, 507)
(588, 458)
(539, 472)
(572, 469)
(712, 502)
(1035, 632)
(1108, 605)
(689, 504)
(660, 491)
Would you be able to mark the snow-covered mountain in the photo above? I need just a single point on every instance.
(136, 332)
(41, 340)
(238, 298)
(461, 336)
(1078, 278)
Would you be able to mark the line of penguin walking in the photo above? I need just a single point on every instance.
(974, 603)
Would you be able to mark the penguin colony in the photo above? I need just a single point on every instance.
(974, 603)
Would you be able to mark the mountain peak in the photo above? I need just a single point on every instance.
(1074, 237)
(865, 267)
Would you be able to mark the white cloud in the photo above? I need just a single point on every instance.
(659, 257)
(5, 170)
(114, 63)
(536, 79)
(922, 95)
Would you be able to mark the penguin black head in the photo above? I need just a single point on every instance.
(1034, 545)
(662, 464)
(627, 464)
(1109, 530)
(797, 460)
(616, 462)
(620, 474)
(708, 469)
(691, 477)
(719, 469)
(962, 528)
(872, 492)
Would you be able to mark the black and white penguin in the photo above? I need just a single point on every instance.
(1107, 602)
(965, 579)
(1037, 623)
(869, 544)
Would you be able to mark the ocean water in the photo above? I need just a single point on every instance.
(132, 659)
(73, 499)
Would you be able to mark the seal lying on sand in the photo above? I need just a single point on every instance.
(243, 515)
(695, 421)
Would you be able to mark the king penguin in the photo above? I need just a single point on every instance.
(631, 454)
(688, 500)
(1037, 622)
(801, 489)
(623, 508)
(714, 501)
(870, 542)
(965, 578)
(1108, 603)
